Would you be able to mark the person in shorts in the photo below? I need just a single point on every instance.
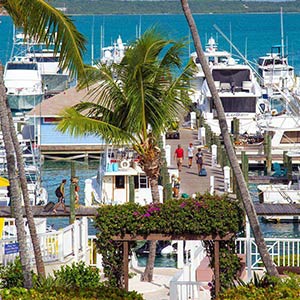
(179, 156)
(60, 194)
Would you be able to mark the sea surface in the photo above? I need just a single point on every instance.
(252, 34)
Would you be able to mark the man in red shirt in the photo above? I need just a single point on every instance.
(179, 156)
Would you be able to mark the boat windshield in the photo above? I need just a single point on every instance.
(21, 66)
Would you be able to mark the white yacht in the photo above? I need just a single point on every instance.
(23, 82)
(114, 53)
(274, 70)
(240, 95)
(214, 56)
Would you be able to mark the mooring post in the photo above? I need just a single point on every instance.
(268, 152)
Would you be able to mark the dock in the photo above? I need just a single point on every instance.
(190, 182)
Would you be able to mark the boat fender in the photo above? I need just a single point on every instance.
(125, 164)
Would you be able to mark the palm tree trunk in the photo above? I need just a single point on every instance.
(246, 199)
(29, 215)
(15, 196)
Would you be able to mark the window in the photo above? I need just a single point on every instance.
(290, 137)
(120, 182)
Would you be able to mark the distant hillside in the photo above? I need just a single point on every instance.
(172, 6)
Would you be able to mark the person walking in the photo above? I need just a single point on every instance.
(60, 194)
(190, 151)
(179, 156)
(199, 160)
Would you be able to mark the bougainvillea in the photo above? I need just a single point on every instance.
(205, 215)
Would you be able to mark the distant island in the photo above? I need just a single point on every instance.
(105, 7)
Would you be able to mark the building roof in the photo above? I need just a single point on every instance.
(54, 106)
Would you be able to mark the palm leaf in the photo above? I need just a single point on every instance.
(48, 25)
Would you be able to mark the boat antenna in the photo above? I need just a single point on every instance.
(230, 37)
(92, 47)
(282, 35)
(246, 47)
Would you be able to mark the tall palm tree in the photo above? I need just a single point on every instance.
(47, 25)
(245, 196)
(138, 93)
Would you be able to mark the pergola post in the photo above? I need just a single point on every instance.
(125, 264)
(217, 266)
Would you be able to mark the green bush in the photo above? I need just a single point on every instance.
(12, 275)
(77, 282)
(266, 288)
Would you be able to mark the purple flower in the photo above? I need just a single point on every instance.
(136, 213)
(146, 215)
(183, 204)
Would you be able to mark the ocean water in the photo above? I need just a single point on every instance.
(252, 34)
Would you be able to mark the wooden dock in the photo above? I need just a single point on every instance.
(190, 182)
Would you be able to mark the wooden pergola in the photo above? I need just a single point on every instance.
(126, 238)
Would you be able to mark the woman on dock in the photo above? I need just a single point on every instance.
(190, 151)
(199, 160)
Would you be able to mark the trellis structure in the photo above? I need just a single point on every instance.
(163, 237)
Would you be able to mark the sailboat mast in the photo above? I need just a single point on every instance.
(282, 35)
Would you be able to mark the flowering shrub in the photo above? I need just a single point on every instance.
(206, 215)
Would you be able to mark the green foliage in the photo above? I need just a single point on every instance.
(77, 281)
(78, 276)
(206, 215)
(12, 275)
(265, 288)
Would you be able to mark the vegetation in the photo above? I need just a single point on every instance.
(173, 6)
(265, 288)
(77, 281)
(47, 25)
(206, 215)
(133, 103)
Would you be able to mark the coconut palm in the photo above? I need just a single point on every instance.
(47, 25)
(245, 196)
(134, 102)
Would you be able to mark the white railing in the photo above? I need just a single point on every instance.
(55, 245)
(284, 251)
(184, 285)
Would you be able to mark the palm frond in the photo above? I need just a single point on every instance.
(48, 25)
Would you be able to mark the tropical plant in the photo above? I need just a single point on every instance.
(244, 192)
(206, 215)
(134, 102)
(46, 24)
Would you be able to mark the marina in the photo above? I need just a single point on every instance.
(111, 174)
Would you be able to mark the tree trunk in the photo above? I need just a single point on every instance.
(29, 215)
(15, 196)
(246, 199)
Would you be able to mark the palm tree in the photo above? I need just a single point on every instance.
(138, 93)
(245, 196)
(47, 25)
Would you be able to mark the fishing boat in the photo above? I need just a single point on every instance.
(119, 179)
(274, 69)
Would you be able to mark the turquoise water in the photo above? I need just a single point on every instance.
(252, 34)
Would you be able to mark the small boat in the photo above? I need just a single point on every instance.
(144, 249)
(112, 184)
(115, 53)
(280, 194)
